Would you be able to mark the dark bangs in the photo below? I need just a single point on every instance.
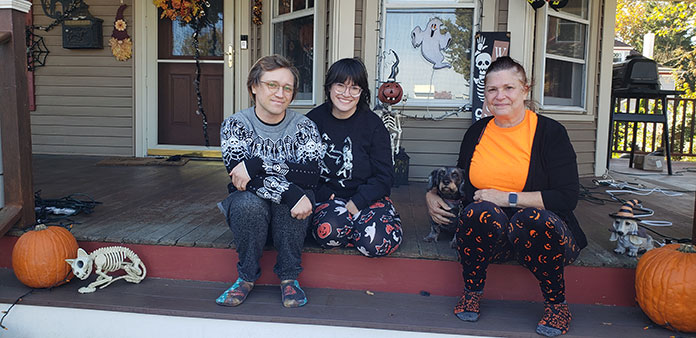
(346, 69)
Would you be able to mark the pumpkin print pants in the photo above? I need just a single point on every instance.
(537, 238)
(375, 231)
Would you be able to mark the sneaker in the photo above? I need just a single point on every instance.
(467, 309)
(236, 294)
(556, 320)
(292, 294)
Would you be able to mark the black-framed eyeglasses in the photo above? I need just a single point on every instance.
(340, 88)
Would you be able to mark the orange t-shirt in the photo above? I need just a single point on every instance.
(501, 158)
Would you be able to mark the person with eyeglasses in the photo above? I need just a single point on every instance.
(272, 156)
(353, 208)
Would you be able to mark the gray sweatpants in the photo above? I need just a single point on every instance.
(249, 217)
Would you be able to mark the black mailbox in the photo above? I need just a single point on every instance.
(83, 33)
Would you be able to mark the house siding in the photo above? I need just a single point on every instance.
(502, 15)
(359, 30)
(84, 97)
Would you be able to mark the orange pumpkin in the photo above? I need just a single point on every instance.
(666, 286)
(390, 92)
(38, 257)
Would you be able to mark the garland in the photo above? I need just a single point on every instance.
(192, 12)
(184, 10)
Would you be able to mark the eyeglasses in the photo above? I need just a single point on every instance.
(273, 87)
(340, 88)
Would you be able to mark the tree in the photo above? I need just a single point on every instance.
(460, 46)
(675, 36)
(675, 46)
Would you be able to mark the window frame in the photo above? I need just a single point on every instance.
(427, 5)
(543, 31)
(276, 18)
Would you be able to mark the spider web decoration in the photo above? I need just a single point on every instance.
(36, 50)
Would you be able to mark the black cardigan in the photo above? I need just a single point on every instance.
(553, 170)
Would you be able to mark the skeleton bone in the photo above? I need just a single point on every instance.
(392, 121)
(107, 259)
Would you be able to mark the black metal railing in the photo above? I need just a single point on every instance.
(648, 135)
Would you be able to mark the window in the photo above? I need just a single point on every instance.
(438, 76)
(293, 37)
(565, 55)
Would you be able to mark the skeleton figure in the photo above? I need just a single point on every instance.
(482, 61)
(392, 121)
(344, 158)
(107, 259)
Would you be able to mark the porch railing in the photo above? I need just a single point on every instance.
(680, 119)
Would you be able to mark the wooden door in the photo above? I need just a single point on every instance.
(177, 120)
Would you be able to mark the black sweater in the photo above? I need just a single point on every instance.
(553, 169)
(357, 163)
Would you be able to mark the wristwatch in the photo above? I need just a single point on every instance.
(512, 199)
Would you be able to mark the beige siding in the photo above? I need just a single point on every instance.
(502, 15)
(327, 36)
(84, 98)
(359, 31)
(432, 144)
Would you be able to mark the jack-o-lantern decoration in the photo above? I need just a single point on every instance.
(324, 230)
(391, 92)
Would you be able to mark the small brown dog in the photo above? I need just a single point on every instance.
(448, 182)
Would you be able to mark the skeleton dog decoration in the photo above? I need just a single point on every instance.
(625, 231)
(107, 259)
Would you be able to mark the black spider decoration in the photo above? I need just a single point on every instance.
(36, 50)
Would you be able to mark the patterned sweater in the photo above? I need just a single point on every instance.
(357, 163)
(281, 159)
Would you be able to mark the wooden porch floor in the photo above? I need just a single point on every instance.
(176, 206)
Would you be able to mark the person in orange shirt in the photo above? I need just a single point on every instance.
(519, 195)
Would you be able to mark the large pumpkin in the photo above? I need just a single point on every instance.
(38, 257)
(666, 286)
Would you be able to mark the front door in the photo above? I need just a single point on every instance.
(178, 123)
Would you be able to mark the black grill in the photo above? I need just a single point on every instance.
(636, 72)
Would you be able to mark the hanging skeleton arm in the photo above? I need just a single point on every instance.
(107, 259)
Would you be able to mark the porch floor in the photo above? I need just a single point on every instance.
(176, 206)
(332, 307)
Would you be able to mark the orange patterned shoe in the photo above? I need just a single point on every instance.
(556, 320)
(467, 309)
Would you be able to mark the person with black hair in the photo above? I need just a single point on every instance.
(520, 191)
(353, 206)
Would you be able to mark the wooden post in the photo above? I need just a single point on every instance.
(15, 125)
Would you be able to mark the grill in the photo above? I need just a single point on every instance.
(636, 72)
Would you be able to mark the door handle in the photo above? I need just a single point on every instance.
(230, 56)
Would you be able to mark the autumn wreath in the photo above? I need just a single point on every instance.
(184, 10)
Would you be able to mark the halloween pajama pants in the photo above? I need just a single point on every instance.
(251, 218)
(538, 239)
(375, 231)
